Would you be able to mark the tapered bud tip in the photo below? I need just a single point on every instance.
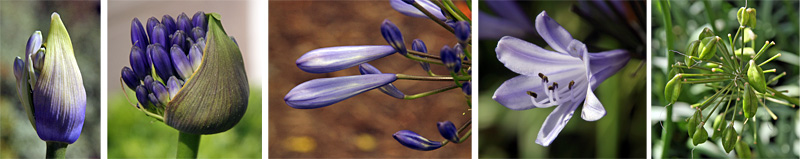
(419, 46)
(161, 93)
(129, 77)
(467, 88)
(413, 140)
(393, 36)
(142, 95)
(462, 30)
(173, 86)
(199, 20)
(450, 59)
(366, 68)
(34, 43)
(181, 62)
(448, 130)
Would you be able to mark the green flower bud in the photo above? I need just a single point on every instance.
(749, 102)
(756, 77)
(215, 98)
(706, 33)
(700, 135)
(742, 16)
(691, 51)
(718, 126)
(743, 150)
(673, 89)
(709, 47)
(729, 138)
(751, 13)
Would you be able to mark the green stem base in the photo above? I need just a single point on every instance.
(188, 145)
(56, 149)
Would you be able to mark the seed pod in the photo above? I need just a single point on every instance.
(749, 102)
(691, 51)
(749, 35)
(742, 16)
(693, 122)
(718, 126)
(204, 106)
(729, 138)
(751, 13)
(700, 135)
(756, 77)
(743, 150)
(706, 33)
(708, 47)
(673, 89)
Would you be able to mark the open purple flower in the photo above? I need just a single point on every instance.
(565, 77)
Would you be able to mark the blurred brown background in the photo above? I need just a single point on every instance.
(361, 126)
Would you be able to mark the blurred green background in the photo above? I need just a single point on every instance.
(505, 133)
(776, 21)
(131, 134)
(19, 20)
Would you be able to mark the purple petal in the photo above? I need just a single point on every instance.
(510, 11)
(450, 59)
(179, 38)
(181, 63)
(173, 86)
(592, 108)
(448, 130)
(198, 33)
(556, 36)
(184, 23)
(138, 35)
(528, 59)
(151, 23)
(462, 30)
(323, 92)
(161, 93)
(415, 141)
(129, 78)
(195, 56)
(169, 23)
(605, 64)
(513, 92)
(161, 61)
(199, 20)
(393, 36)
(419, 45)
(388, 89)
(159, 35)
(492, 27)
(555, 122)
(410, 10)
(142, 96)
(330, 59)
(139, 62)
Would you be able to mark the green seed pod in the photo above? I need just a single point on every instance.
(751, 13)
(729, 138)
(746, 54)
(743, 150)
(215, 98)
(706, 33)
(673, 89)
(749, 102)
(691, 51)
(718, 126)
(749, 35)
(742, 16)
(700, 135)
(756, 77)
(693, 122)
(712, 65)
(709, 47)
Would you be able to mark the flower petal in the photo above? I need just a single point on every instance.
(555, 122)
(388, 89)
(528, 59)
(410, 10)
(605, 64)
(323, 92)
(513, 92)
(415, 141)
(556, 36)
(330, 59)
(592, 108)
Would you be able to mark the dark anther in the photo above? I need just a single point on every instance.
(555, 85)
(570, 84)
(545, 79)
(532, 94)
(541, 75)
(550, 88)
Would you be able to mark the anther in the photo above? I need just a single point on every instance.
(545, 79)
(532, 94)
(555, 85)
(570, 84)
(550, 87)
(541, 75)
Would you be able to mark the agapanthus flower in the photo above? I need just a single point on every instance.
(410, 10)
(50, 85)
(565, 77)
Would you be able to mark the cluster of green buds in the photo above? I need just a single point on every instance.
(740, 85)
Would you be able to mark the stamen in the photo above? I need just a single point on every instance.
(555, 85)
(541, 75)
(550, 87)
(545, 79)
(571, 83)
(532, 94)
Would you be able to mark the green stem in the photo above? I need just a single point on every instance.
(440, 90)
(188, 145)
(666, 134)
(56, 149)
(466, 136)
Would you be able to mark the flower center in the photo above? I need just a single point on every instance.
(551, 91)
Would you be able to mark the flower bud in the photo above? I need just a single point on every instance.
(388, 89)
(148, 83)
(161, 61)
(161, 93)
(462, 31)
(159, 35)
(142, 96)
(139, 62)
(195, 56)
(673, 89)
(448, 131)
(450, 59)
(415, 141)
(467, 88)
(756, 77)
(129, 78)
(151, 23)
(419, 46)
(323, 92)
(184, 23)
(181, 62)
(749, 102)
(707, 32)
(199, 20)
(173, 86)
(743, 150)
(700, 135)
(330, 59)
(169, 24)
(138, 36)
(691, 51)
(393, 36)
(179, 39)
(708, 47)
(459, 51)
(198, 33)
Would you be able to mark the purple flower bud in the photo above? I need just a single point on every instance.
(151, 23)
(199, 20)
(173, 86)
(179, 38)
(161, 93)
(388, 89)
(153, 99)
(138, 35)
(182, 65)
(419, 46)
(159, 35)
(409, 10)
(467, 88)
(198, 33)
(323, 92)
(195, 56)
(415, 141)
(462, 31)
(459, 51)
(129, 78)
(19, 68)
(142, 95)
(330, 59)
(38, 61)
(393, 36)
(139, 62)
(450, 59)
(184, 23)
(448, 131)
(148, 83)
(161, 61)
(169, 23)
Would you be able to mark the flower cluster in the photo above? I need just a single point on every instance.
(728, 67)
(168, 59)
(323, 92)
